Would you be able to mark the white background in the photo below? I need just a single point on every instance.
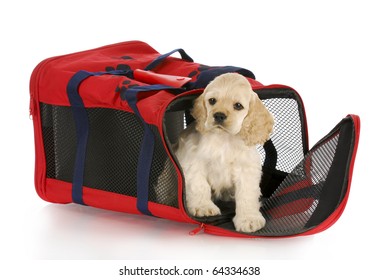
(326, 50)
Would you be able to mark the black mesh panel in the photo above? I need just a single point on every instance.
(59, 138)
(112, 152)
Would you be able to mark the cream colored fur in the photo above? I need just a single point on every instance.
(220, 160)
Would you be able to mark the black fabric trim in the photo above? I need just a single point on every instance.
(335, 186)
(271, 160)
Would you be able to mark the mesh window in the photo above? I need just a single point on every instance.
(112, 157)
(287, 133)
(112, 152)
(59, 139)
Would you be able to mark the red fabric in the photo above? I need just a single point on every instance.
(60, 192)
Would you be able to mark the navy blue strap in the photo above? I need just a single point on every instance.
(157, 61)
(82, 132)
(205, 77)
(147, 146)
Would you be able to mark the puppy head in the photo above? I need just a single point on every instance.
(228, 104)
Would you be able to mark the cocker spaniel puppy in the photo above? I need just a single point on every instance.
(218, 152)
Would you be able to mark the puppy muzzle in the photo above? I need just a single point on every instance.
(219, 117)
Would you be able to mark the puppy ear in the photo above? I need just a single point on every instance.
(199, 113)
(258, 124)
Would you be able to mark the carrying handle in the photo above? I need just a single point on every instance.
(130, 94)
(160, 59)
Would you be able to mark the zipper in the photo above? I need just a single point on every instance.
(34, 87)
(206, 226)
(31, 108)
(197, 229)
(34, 81)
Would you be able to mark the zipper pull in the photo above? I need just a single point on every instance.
(197, 230)
(31, 108)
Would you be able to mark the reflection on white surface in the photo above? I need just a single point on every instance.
(80, 232)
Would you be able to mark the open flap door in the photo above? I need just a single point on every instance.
(313, 196)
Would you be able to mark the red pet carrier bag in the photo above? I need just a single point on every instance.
(105, 121)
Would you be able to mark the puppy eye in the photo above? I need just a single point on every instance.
(212, 101)
(238, 106)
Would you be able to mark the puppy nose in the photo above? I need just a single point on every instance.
(219, 117)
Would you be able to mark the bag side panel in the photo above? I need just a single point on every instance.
(111, 162)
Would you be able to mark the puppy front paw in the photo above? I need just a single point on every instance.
(204, 209)
(249, 223)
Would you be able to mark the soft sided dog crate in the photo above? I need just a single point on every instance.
(105, 121)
